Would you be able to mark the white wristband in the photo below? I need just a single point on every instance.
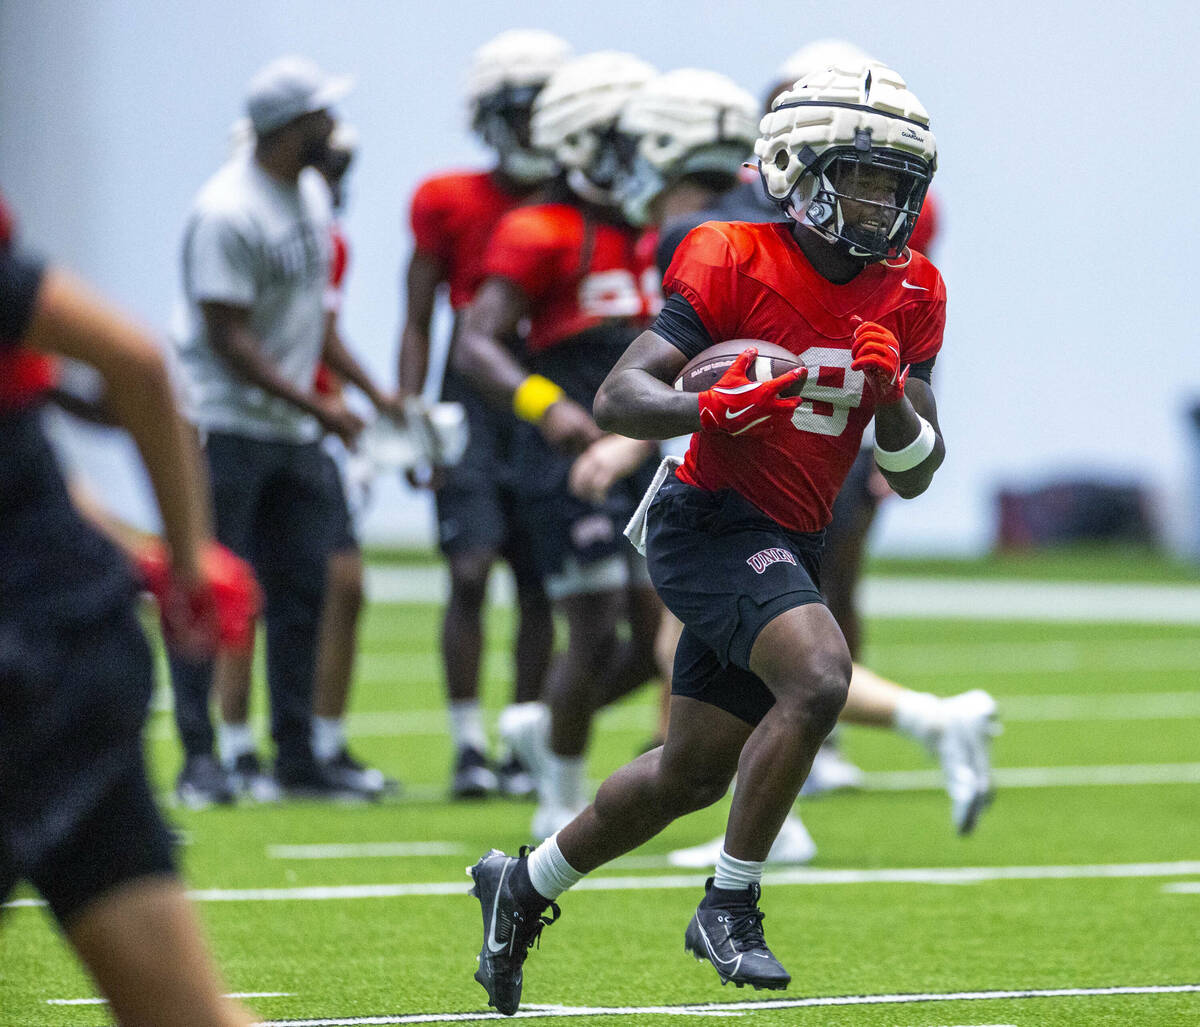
(911, 455)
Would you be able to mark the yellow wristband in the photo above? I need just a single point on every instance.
(534, 396)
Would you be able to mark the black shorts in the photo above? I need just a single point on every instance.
(76, 814)
(726, 570)
(571, 535)
(477, 503)
(854, 502)
(342, 536)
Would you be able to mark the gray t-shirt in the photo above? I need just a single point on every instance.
(253, 241)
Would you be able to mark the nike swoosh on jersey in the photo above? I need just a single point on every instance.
(908, 285)
(492, 944)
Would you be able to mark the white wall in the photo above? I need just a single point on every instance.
(1068, 157)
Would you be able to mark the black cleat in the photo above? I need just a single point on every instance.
(203, 783)
(730, 936)
(473, 778)
(357, 778)
(509, 930)
(515, 779)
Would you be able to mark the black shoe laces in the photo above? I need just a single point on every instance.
(745, 928)
(528, 932)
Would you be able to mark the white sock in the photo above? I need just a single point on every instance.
(466, 726)
(328, 738)
(549, 870)
(736, 874)
(919, 717)
(234, 740)
(564, 781)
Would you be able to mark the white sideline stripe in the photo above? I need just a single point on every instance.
(363, 850)
(743, 1007)
(1183, 888)
(104, 1001)
(799, 876)
(923, 598)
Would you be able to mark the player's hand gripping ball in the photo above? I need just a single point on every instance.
(737, 404)
(876, 352)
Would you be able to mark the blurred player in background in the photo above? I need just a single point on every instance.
(256, 258)
(76, 814)
(337, 639)
(452, 216)
(733, 537)
(570, 268)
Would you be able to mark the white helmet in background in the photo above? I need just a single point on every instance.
(684, 123)
(504, 76)
(574, 118)
(823, 53)
(822, 133)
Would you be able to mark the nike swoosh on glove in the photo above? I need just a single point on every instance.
(736, 405)
(876, 352)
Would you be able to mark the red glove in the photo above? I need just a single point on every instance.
(876, 352)
(218, 613)
(736, 405)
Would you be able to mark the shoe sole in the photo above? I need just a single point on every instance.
(701, 955)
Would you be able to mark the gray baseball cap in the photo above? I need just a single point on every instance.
(288, 88)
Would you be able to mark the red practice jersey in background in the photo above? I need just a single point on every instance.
(25, 376)
(577, 273)
(748, 281)
(452, 217)
(926, 230)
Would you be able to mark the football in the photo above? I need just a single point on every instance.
(704, 371)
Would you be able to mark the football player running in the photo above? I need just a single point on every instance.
(570, 268)
(956, 730)
(733, 537)
(452, 216)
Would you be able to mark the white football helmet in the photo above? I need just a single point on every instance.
(686, 122)
(824, 134)
(504, 76)
(822, 53)
(574, 118)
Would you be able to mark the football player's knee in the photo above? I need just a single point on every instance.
(468, 580)
(686, 793)
(346, 581)
(824, 699)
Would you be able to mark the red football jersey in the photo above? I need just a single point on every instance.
(452, 217)
(751, 281)
(925, 233)
(25, 376)
(577, 273)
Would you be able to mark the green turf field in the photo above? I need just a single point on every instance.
(1078, 882)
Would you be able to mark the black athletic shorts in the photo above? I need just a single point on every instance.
(76, 814)
(854, 500)
(477, 504)
(342, 536)
(726, 570)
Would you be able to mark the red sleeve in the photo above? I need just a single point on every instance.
(703, 272)
(923, 324)
(528, 247)
(428, 216)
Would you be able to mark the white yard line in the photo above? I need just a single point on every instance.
(742, 1008)
(942, 598)
(363, 850)
(798, 876)
(104, 1001)
(1183, 888)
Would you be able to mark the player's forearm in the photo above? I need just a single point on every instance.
(634, 403)
(239, 350)
(339, 358)
(73, 323)
(487, 364)
(413, 364)
(898, 426)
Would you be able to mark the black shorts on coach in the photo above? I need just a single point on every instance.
(726, 570)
